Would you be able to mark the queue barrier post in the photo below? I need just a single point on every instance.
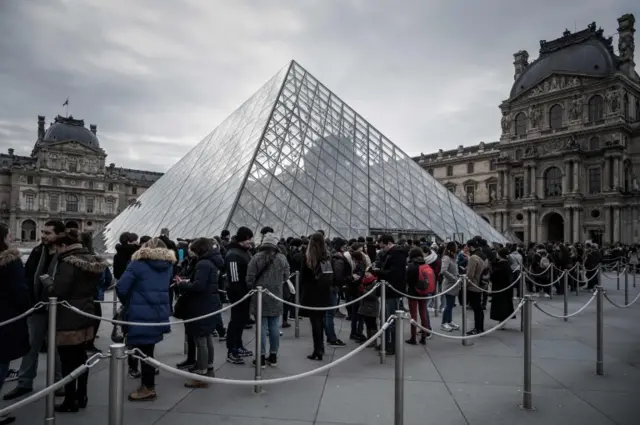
(297, 309)
(463, 327)
(258, 349)
(522, 294)
(626, 286)
(527, 400)
(551, 280)
(618, 276)
(399, 369)
(383, 319)
(565, 291)
(116, 383)
(600, 330)
(50, 414)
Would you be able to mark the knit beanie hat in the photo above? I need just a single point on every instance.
(243, 234)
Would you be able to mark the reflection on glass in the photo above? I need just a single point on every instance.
(296, 158)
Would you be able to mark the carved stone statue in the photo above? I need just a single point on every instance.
(613, 99)
(492, 193)
(575, 110)
(530, 151)
(534, 115)
(470, 197)
(460, 150)
(506, 122)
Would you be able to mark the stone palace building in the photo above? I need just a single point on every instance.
(567, 165)
(65, 178)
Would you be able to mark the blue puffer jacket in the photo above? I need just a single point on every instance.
(143, 289)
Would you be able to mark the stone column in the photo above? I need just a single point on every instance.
(565, 177)
(533, 180)
(576, 176)
(527, 184)
(506, 220)
(607, 225)
(499, 221)
(577, 226)
(527, 227)
(534, 226)
(567, 229)
(616, 225)
(605, 178)
(507, 185)
(616, 173)
(500, 193)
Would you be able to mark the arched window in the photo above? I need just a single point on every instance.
(493, 165)
(596, 108)
(72, 203)
(625, 107)
(594, 143)
(521, 124)
(470, 168)
(449, 171)
(553, 182)
(555, 117)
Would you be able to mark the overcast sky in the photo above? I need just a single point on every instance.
(158, 75)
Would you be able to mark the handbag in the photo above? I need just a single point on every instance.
(118, 332)
(292, 287)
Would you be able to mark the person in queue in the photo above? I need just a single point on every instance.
(475, 269)
(73, 277)
(501, 279)
(37, 264)
(199, 299)
(449, 270)
(14, 301)
(144, 293)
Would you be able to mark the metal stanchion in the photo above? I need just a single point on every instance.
(527, 402)
(297, 309)
(258, 351)
(463, 327)
(626, 286)
(383, 318)
(565, 291)
(600, 330)
(522, 295)
(50, 415)
(114, 302)
(116, 383)
(551, 280)
(618, 277)
(578, 279)
(435, 303)
(635, 272)
(398, 417)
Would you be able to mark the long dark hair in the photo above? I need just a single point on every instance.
(451, 250)
(4, 231)
(87, 240)
(316, 251)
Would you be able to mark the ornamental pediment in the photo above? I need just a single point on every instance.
(556, 83)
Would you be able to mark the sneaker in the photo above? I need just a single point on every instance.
(263, 362)
(247, 326)
(473, 332)
(430, 309)
(547, 295)
(424, 338)
(12, 375)
(272, 360)
(454, 326)
(17, 392)
(134, 374)
(222, 335)
(336, 343)
(92, 349)
(536, 295)
(194, 383)
(6, 420)
(411, 341)
(214, 334)
(143, 394)
(286, 325)
(243, 352)
(234, 359)
(340, 315)
(446, 327)
(186, 365)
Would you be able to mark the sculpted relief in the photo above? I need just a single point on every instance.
(575, 110)
(535, 116)
(555, 83)
(613, 100)
(505, 122)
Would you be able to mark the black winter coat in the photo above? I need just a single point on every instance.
(34, 267)
(394, 270)
(200, 294)
(14, 300)
(235, 264)
(313, 294)
(122, 258)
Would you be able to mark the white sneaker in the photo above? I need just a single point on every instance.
(536, 295)
(446, 327)
(547, 295)
(431, 310)
(454, 326)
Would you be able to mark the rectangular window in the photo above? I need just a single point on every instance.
(134, 190)
(595, 180)
(29, 201)
(518, 187)
(90, 205)
(29, 179)
(471, 194)
(53, 203)
(110, 207)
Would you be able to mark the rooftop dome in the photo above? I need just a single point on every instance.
(70, 129)
(586, 52)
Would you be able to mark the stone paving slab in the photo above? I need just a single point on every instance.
(446, 383)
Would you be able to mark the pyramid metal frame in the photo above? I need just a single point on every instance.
(297, 158)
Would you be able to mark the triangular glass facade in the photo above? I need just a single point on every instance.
(296, 158)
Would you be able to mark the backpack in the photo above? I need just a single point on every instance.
(544, 262)
(426, 283)
(324, 273)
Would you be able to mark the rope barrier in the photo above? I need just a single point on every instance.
(92, 361)
(541, 273)
(176, 322)
(543, 284)
(498, 291)
(23, 315)
(580, 310)
(467, 337)
(212, 380)
(429, 297)
(622, 306)
(365, 295)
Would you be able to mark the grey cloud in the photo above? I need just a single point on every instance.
(156, 76)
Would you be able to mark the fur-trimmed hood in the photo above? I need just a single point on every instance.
(80, 257)
(8, 256)
(157, 254)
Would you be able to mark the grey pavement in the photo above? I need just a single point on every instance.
(445, 383)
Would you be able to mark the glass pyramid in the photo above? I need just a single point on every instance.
(297, 158)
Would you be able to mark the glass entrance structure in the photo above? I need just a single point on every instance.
(296, 158)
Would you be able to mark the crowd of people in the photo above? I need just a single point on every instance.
(192, 279)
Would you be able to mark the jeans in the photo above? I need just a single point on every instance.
(204, 353)
(447, 314)
(271, 325)
(415, 307)
(72, 357)
(219, 324)
(475, 301)
(317, 324)
(329, 326)
(391, 306)
(37, 324)
(239, 318)
(357, 321)
(148, 373)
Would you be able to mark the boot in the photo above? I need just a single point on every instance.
(143, 394)
(81, 391)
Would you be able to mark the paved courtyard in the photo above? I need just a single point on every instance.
(446, 383)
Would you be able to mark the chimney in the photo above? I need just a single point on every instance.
(93, 128)
(520, 62)
(11, 151)
(626, 44)
(40, 127)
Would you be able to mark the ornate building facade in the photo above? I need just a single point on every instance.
(65, 178)
(567, 165)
